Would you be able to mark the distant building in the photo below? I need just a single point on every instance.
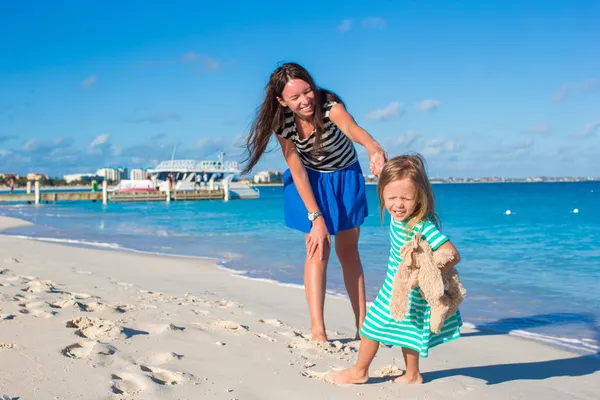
(112, 174)
(7, 175)
(138, 174)
(270, 176)
(70, 178)
(34, 176)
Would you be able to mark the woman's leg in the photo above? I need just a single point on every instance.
(346, 248)
(315, 284)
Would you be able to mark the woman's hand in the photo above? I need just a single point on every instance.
(317, 239)
(377, 158)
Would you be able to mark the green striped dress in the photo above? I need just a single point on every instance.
(413, 331)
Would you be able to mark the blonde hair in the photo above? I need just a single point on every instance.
(413, 168)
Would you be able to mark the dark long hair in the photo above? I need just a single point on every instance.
(271, 114)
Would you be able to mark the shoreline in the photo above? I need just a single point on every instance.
(164, 315)
(578, 345)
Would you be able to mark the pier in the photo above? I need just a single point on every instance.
(48, 197)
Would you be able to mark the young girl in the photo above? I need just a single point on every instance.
(406, 194)
(324, 188)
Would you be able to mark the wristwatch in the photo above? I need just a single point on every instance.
(314, 215)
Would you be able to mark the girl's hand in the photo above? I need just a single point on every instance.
(317, 239)
(377, 158)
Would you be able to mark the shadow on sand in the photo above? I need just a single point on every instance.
(500, 373)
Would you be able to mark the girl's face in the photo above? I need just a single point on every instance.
(400, 198)
(299, 97)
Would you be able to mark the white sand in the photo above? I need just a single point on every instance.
(80, 323)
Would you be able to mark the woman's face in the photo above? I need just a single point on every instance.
(299, 97)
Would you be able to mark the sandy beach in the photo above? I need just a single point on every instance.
(80, 323)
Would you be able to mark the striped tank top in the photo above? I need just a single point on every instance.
(337, 151)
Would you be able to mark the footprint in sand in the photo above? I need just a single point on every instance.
(83, 272)
(266, 337)
(95, 328)
(38, 313)
(123, 308)
(13, 260)
(273, 322)
(321, 376)
(38, 286)
(79, 350)
(227, 304)
(201, 312)
(127, 384)
(229, 326)
(162, 376)
(7, 346)
(162, 358)
(4, 271)
(304, 346)
(62, 302)
(92, 306)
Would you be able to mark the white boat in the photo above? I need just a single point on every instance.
(189, 175)
(132, 185)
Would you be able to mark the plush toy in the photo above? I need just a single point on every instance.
(420, 267)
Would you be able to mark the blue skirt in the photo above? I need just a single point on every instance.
(340, 196)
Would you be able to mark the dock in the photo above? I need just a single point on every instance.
(63, 196)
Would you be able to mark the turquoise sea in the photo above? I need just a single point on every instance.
(535, 272)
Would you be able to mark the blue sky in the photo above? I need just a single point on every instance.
(479, 88)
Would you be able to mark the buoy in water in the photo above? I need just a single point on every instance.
(575, 210)
(507, 212)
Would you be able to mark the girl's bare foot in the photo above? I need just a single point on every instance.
(349, 377)
(319, 336)
(409, 379)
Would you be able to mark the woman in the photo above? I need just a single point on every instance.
(324, 189)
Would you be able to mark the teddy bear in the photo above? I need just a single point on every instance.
(420, 267)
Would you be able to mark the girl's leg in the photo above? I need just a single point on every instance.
(346, 248)
(413, 374)
(360, 372)
(315, 283)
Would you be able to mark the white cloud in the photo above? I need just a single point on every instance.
(4, 153)
(428, 105)
(206, 61)
(511, 151)
(373, 22)
(393, 110)
(589, 130)
(439, 146)
(537, 128)
(100, 144)
(408, 139)
(89, 82)
(30, 145)
(522, 145)
(345, 25)
(567, 89)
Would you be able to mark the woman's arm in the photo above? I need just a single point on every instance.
(455, 260)
(339, 116)
(318, 234)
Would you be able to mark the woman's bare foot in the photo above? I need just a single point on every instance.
(409, 379)
(319, 336)
(349, 377)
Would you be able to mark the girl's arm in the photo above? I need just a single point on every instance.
(455, 260)
(318, 235)
(339, 116)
